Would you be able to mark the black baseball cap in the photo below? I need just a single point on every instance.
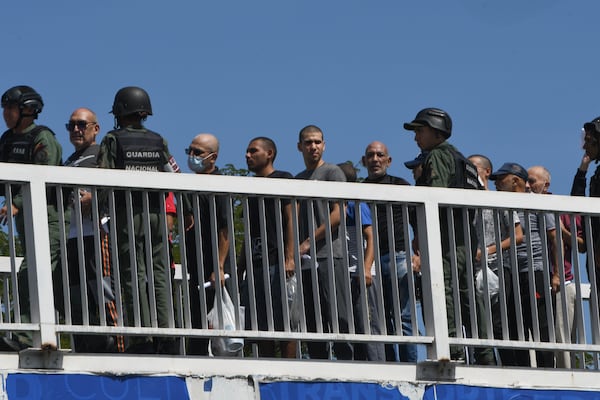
(512, 169)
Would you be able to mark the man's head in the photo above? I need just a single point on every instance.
(484, 168)
(348, 170)
(203, 153)
(432, 126)
(83, 128)
(312, 145)
(591, 140)
(538, 180)
(260, 155)
(416, 165)
(21, 106)
(376, 159)
(510, 177)
(131, 106)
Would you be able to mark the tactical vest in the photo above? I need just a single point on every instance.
(465, 173)
(18, 148)
(140, 151)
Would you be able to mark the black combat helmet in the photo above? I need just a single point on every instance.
(434, 118)
(24, 97)
(593, 126)
(131, 100)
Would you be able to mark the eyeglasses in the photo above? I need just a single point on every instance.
(371, 154)
(82, 125)
(195, 152)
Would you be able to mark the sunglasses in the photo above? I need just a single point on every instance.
(195, 152)
(82, 125)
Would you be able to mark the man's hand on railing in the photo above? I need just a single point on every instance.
(416, 262)
(85, 198)
(368, 276)
(223, 277)
(290, 267)
(304, 247)
(4, 216)
(555, 283)
(188, 222)
(478, 255)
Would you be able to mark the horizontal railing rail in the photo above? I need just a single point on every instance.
(139, 306)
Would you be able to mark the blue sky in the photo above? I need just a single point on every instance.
(519, 78)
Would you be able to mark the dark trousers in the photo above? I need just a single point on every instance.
(92, 343)
(319, 349)
(521, 357)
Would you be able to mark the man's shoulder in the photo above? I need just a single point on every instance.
(389, 180)
(42, 133)
(441, 149)
(305, 174)
(110, 135)
(280, 174)
(330, 172)
(129, 130)
(324, 172)
(84, 158)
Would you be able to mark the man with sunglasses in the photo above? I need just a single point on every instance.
(202, 153)
(83, 128)
(27, 143)
(130, 146)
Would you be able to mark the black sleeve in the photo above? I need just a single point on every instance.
(579, 183)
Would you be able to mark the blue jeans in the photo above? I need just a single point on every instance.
(406, 352)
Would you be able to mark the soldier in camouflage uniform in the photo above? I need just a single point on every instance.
(445, 166)
(27, 143)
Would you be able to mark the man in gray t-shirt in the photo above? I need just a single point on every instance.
(312, 146)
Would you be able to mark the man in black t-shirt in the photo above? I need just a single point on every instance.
(266, 263)
(377, 161)
(83, 128)
(202, 157)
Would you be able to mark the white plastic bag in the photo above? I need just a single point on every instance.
(225, 346)
(493, 284)
(294, 299)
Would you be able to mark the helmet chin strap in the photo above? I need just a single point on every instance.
(21, 116)
(18, 122)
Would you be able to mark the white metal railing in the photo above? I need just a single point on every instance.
(423, 205)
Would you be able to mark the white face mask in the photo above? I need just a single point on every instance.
(197, 164)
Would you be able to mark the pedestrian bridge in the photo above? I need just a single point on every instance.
(51, 369)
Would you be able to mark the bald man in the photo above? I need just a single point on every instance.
(202, 153)
(539, 180)
(565, 327)
(83, 129)
(377, 161)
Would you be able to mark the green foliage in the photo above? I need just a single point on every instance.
(238, 224)
(231, 170)
(4, 245)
